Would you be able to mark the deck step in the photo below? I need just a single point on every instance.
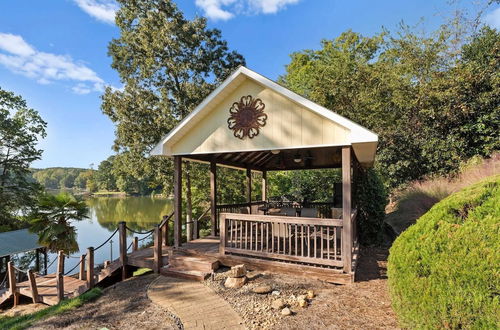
(184, 274)
(202, 264)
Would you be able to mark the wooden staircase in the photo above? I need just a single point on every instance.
(189, 266)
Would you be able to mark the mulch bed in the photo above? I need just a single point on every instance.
(364, 304)
(124, 305)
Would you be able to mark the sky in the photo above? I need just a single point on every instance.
(54, 53)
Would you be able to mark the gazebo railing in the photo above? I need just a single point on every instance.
(310, 241)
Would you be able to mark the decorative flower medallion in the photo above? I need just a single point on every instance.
(247, 117)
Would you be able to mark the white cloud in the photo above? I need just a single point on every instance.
(103, 10)
(493, 19)
(227, 9)
(20, 57)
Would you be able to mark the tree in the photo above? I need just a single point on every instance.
(168, 64)
(104, 176)
(52, 221)
(20, 130)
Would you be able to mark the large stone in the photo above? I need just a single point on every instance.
(238, 271)
(235, 282)
(278, 304)
(310, 294)
(286, 311)
(302, 302)
(263, 289)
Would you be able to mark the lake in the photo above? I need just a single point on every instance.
(140, 213)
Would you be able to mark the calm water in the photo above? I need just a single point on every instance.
(140, 213)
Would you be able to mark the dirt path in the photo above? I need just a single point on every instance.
(124, 305)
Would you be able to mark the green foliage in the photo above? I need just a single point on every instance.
(168, 65)
(52, 221)
(60, 177)
(25, 321)
(370, 198)
(431, 105)
(443, 271)
(20, 130)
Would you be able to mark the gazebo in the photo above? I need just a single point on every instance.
(252, 123)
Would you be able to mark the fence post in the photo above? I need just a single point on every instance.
(123, 248)
(33, 287)
(164, 230)
(12, 282)
(81, 274)
(135, 246)
(60, 262)
(157, 250)
(223, 234)
(90, 267)
(60, 287)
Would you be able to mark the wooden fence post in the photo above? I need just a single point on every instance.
(157, 250)
(164, 231)
(90, 267)
(60, 287)
(12, 282)
(60, 262)
(135, 246)
(123, 247)
(81, 274)
(33, 287)
(223, 234)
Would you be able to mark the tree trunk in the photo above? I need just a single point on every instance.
(189, 204)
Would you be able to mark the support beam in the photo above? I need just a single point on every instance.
(213, 197)
(249, 189)
(81, 273)
(33, 287)
(12, 282)
(346, 210)
(177, 201)
(264, 185)
(60, 262)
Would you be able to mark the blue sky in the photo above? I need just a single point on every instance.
(53, 53)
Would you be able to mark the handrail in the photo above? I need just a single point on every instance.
(284, 219)
(240, 204)
(106, 241)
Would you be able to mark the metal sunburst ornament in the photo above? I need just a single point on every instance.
(247, 117)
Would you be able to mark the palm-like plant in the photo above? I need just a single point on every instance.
(52, 221)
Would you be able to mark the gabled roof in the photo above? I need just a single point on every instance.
(358, 134)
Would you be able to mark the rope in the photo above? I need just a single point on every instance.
(4, 280)
(139, 232)
(130, 245)
(46, 268)
(20, 270)
(106, 241)
(142, 239)
(74, 257)
(72, 269)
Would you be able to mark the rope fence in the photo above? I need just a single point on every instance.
(106, 241)
(78, 264)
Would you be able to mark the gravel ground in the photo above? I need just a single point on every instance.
(122, 306)
(362, 305)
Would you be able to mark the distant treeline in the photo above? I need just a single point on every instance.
(64, 178)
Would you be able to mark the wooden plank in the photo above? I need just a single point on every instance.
(280, 256)
(346, 209)
(284, 219)
(177, 201)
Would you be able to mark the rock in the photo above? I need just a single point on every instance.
(235, 282)
(238, 271)
(275, 293)
(286, 311)
(263, 289)
(310, 294)
(302, 297)
(302, 303)
(254, 274)
(277, 304)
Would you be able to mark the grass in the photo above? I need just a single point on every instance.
(25, 321)
(141, 271)
(109, 193)
(411, 203)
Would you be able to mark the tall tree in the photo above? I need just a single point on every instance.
(167, 64)
(20, 130)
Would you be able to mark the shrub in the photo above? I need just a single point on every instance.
(371, 199)
(444, 270)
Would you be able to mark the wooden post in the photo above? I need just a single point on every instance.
(164, 231)
(213, 197)
(135, 245)
(37, 260)
(122, 231)
(106, 263)
(249, 190)
(346, 210)
(45, 260)
(90, 267)
(223, 234)
(177, 201)
(60, 286)
(60, 262)
(12, 282)
(264, 186)
(81, 274)
(33, 287)
(157, 250)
